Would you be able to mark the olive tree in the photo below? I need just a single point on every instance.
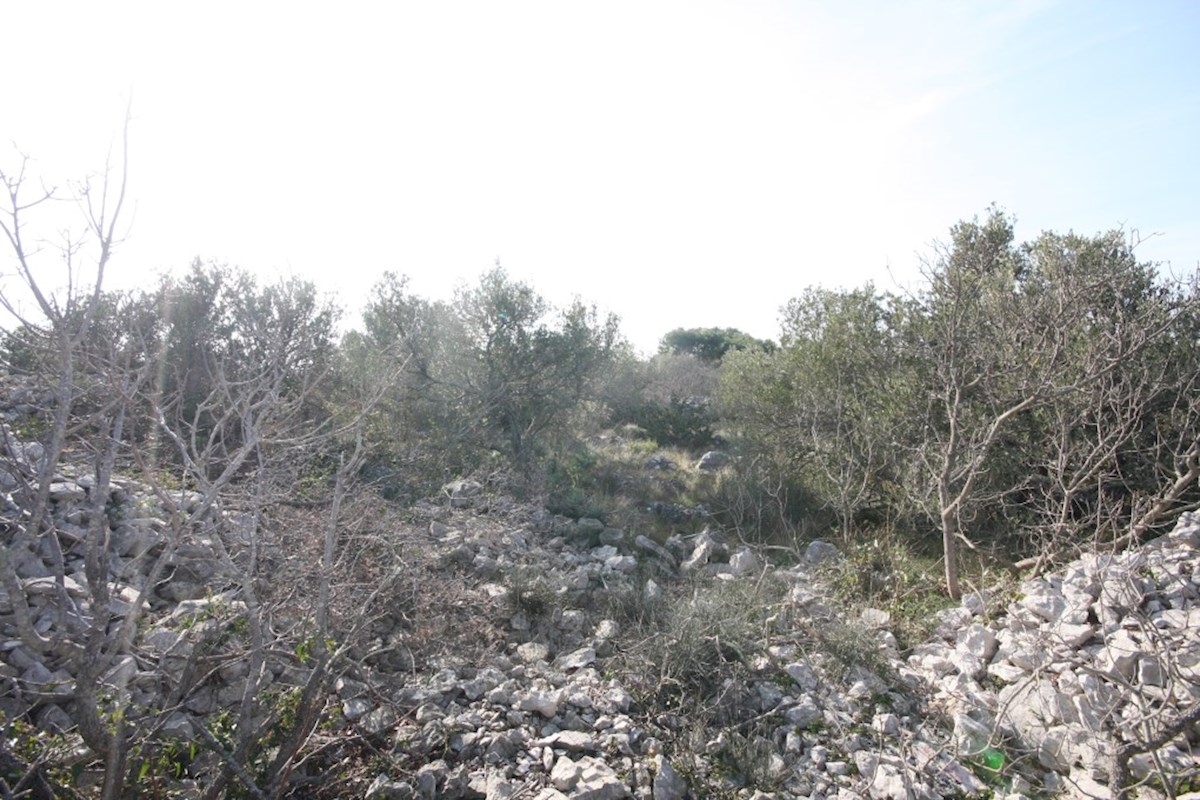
(497, 369)
(831, 404)
(1119, 453)
(1036, 393)
(525, 365)
(1008, 332)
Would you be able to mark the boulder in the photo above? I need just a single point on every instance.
(668, 784)
(712, 460)
(819, 552)
(745, 562)
(462, 493)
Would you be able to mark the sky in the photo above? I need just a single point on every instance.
(682, 164)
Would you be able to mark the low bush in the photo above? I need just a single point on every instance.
(684, 647)
(886, 571)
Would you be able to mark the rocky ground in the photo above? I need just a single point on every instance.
(544, 657)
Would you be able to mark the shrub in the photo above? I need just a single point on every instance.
(690, 642)
(887, 572)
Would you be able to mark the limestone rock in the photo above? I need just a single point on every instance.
(571, 741)
(462, 493)
(745, 562)
(583, 657)
(804, 713)
(668, 784)
(820, 551)
(384, 788)
(531, 652)
(650, 546)
(712, 460)
(540, 702)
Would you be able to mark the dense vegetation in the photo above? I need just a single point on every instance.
(1026, 399)
(1029, 396)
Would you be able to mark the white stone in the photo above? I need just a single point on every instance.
(976, 602)
(356, 708)
(178, 726)
(803, 596)
(1053, 751)
(803, 675)
(618, 699)
(1034, 705)
(700, 555)
(606, 629)
(480, 685)
(970, 736)
(565, 774)
(883, 775)
(624, 564)
(53, 718)
(967, 664)
(745, 562)
(668, 784)
(1046, 605)
(1150, 671)
(651, 546)
(934, 664)
(578, 659)
(1084, 785)
(1074, 635)
(977, 640)
(1029, 659)
(597, 781)
(574, 741)
(887, 724)
(804, 713)
(604, 553)
(48, 586)
(1119, 655)
(378, 721)
(819, 551)
(532, 652)
(67, 492)
(542, 703)
(875, 618)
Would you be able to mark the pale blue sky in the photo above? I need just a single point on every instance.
(680, 163)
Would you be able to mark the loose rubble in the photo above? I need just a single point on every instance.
(1095, 658)
(1042, 691)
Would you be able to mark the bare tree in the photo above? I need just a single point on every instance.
(60, 322)
(237, 451)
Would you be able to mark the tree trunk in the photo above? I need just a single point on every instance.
(950, 553)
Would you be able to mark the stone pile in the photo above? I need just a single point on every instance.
(189, 581)
(1099, 657)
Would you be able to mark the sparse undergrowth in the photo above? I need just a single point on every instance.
(685, 647)
(628, 481)
(885, 571)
